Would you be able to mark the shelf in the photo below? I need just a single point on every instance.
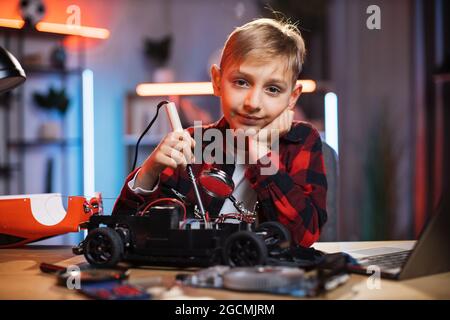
(46, 29)
(20, 148)
(31, 32)
(45, 70)
(43, 142)
(5, 171)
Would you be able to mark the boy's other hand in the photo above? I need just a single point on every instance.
(282, 124)
(259, 144)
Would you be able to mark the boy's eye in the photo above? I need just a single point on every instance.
(273, 90)
(241, 83)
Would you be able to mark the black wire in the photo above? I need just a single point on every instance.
(146, 130)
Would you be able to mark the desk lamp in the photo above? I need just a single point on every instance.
(11, 76)
(11, 73)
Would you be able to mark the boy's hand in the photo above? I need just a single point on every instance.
(282, 124)
(260, 143)
(173, 151)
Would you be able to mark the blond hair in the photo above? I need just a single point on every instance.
(264, 39)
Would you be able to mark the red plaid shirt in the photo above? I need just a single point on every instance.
(295, 195)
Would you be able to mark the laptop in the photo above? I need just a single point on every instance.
(430, 255)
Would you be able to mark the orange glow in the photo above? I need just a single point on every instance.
(88, 32)
(195, 88)
(12, 23)
(308, 85)
(175, 89)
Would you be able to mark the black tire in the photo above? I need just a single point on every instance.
(103, 248)
(244, 248)
(276, 234)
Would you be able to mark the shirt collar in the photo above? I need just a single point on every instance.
(297, 132)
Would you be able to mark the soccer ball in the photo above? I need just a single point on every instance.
(32, 11)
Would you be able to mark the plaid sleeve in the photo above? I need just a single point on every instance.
(129, 201)
(296, 194)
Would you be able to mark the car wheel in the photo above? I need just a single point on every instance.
(103, 248)
(244, 248)
(274, 234)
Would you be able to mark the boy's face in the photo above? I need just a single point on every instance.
(253, 94)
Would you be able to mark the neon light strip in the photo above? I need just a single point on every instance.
(195, 88)
(177, 88)
(331, 120)
(11, 23)
(88, 32)
(88, 134)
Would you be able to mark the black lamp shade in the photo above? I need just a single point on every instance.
(11, 73)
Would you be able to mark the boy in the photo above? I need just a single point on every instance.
(256, 83)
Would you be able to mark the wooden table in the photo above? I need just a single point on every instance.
(20, 277)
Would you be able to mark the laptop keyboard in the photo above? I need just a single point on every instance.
(388, 262)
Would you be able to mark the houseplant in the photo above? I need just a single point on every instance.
(54, 101)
